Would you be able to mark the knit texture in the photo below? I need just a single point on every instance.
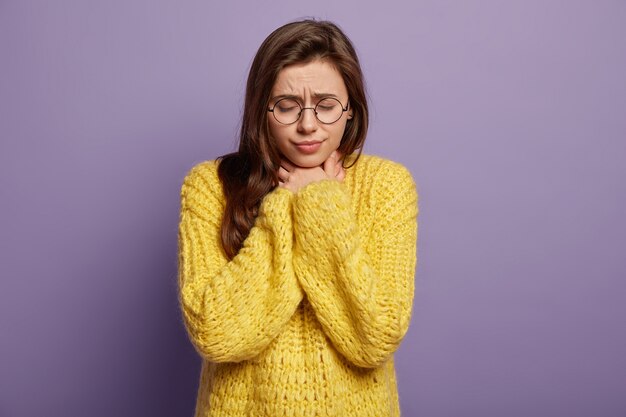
(305, 319)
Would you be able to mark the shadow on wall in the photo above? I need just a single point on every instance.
(172, 383)
(176, 387)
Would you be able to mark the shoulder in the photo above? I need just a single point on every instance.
(201, 184)
(201, 171)
(389, 186)
(382, 173)
(378, 163)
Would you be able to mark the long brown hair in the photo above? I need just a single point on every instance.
(250, 173)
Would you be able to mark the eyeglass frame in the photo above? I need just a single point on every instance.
(343, 110)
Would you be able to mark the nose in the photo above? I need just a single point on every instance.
(308, 120)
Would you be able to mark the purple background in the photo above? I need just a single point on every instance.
(511, 116)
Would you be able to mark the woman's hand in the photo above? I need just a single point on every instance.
(293, 177)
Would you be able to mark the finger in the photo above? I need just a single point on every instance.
(329, 165)
(342, 174)
(283, 174)
(338, 167)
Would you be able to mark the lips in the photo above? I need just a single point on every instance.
(308, 146)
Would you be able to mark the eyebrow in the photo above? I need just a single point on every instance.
(293, 96)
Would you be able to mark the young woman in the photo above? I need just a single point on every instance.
(297, 253)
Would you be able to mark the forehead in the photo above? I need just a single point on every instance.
(312, 77)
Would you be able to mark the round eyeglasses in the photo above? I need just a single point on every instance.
(288, 110)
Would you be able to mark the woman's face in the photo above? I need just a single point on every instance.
(308, 142)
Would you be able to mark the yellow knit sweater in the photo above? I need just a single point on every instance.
(305, 319)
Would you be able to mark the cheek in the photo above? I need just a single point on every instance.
(279, 135)
(273, 129)
(338, 132)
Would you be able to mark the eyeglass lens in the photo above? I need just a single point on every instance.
(287, 110)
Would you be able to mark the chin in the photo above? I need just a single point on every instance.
(308, 161)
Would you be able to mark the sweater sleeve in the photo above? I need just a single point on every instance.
(359, 282)
(233, 309)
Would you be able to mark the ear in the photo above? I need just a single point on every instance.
(350, 114)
